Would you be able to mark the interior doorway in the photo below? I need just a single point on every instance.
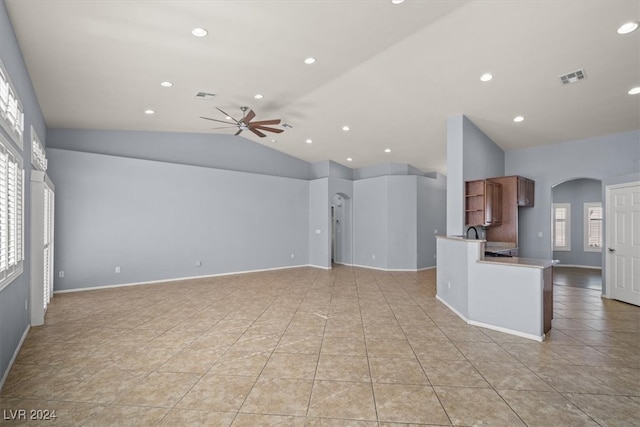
(341, 229)
(577, 233)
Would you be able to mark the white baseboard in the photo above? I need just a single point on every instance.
(177, 279)
(426, 268)
(507, 331)
(578, 266)
(14, 357)
(383, 269)
(450, 307)
(492, 327)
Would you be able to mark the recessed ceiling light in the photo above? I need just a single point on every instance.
(258, 96)
(345, 128)
(628, 27)
(349, 159)
(397, 1)
(634, 91)
(149, 112)
(308, 141)
(166, 84)
(486, 77)
(518, 119)
(310, 60)
(274, 140)
(387, 150)
(199, 32)
(228, 118)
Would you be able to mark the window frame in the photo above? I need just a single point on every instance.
(586, 226)
(9, 272)
(567, 227)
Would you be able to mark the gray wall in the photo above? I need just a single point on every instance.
(598, 158)
(402, 225)
(385, 169)
(470, 155)
(14, 319)
(577, 192)
(370, 219)
(156, 220)
(214, 151)
(319, 220)
(432, 216)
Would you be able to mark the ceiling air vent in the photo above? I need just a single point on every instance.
(205, 96)
(573, 77)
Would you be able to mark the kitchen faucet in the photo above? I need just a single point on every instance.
(474, 229)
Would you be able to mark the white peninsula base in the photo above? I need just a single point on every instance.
(511, 295)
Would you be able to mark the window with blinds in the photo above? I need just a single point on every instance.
(561, 227)
(593, 227)
(11, 111)
(11, 214)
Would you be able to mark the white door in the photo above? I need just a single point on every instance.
(623, 242)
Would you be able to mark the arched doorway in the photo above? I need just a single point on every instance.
(577, 232)
(341, 229)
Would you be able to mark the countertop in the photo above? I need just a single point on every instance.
(461, 239)
(519, 262)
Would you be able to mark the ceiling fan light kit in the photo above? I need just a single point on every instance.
(246, 123)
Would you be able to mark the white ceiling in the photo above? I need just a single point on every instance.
(393, 73)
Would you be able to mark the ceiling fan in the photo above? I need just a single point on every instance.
(245, 123)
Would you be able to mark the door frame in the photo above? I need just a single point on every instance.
(605, 247)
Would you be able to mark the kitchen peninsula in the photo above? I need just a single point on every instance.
(508, 294)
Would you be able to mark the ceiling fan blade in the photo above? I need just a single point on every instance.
(257, 132)
(238, 133)
(224, 127)
(249, 116)
(226, 114)
(268, 129)
(266, 122)
(214, 120)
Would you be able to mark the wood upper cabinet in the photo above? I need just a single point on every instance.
(483, 203)
(526, 192)
(492, 203)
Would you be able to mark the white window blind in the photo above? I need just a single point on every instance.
(11, 214)
(38, 153)
(561, 227)
(593, 227)
(4, 93)
(11, 111)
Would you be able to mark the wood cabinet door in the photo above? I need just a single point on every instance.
(493, 203)
(526, 192)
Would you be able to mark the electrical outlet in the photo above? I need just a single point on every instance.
(539, 233)
(373, 256)
(61, 273)
(434, 256)
(435, 231)
(25, 304)
(292, 256)
(118, 269)
(449, 285)
(198, 263)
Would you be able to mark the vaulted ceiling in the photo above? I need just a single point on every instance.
(392, 73)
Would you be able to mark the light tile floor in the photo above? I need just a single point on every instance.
(346, 347)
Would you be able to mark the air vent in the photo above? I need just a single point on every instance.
(573, 77)
(205, 96)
